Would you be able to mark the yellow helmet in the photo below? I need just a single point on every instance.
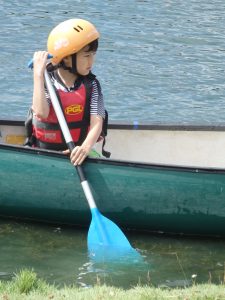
(69, 37)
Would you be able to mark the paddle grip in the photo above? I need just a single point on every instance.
(30, 63)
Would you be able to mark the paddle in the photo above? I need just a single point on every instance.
(104, 236)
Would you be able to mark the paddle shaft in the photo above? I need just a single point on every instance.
(68, 139)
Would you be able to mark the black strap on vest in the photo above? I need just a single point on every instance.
(84, 128)
(30, 138)
(105, 153)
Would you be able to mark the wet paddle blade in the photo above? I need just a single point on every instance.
(104, 232)
(105, 239)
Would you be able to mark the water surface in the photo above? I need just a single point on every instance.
(59, 255)
(160, 61)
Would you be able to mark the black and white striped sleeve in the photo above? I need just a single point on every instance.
(97, 102)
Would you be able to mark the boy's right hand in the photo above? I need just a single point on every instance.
(39, 62)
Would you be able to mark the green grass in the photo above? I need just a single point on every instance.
(27, 286)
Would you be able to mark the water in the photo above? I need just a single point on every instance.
(59, 255)
(160, 61)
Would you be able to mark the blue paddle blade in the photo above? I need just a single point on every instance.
(107, 241)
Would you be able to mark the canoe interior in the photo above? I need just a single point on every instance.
(196, 146)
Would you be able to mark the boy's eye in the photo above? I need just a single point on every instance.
(89, 54)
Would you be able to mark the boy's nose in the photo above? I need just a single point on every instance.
(91, 59)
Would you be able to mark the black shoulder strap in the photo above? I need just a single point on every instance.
(105, 121)
(88, 88)
(30, 138)
(105, 153)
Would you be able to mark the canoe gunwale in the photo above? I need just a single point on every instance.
(125, 125)
(167, 127)
(109, 161)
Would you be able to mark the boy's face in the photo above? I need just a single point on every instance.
(85, 60)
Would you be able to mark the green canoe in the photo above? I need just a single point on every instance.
(42, 185)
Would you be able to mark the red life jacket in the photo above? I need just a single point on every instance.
(76, 108)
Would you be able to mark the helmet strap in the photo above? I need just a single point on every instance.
(62, 65)
(72, 69)
(74, 64)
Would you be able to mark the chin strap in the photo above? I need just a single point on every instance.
(74, 64)
(72, 70)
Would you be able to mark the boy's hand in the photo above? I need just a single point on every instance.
(39, 62)
(78, 154)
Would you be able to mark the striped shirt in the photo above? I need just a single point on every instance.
(96, 103)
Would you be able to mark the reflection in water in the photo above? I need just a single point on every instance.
(127, 271)
(6, 276)
(59, 255)
(101, 254)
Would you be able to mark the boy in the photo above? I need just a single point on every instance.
(73, 45)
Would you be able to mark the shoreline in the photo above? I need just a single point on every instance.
(25, 285)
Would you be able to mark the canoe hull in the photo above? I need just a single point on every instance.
(43, 186)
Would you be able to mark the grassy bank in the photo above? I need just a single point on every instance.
(25, 285)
